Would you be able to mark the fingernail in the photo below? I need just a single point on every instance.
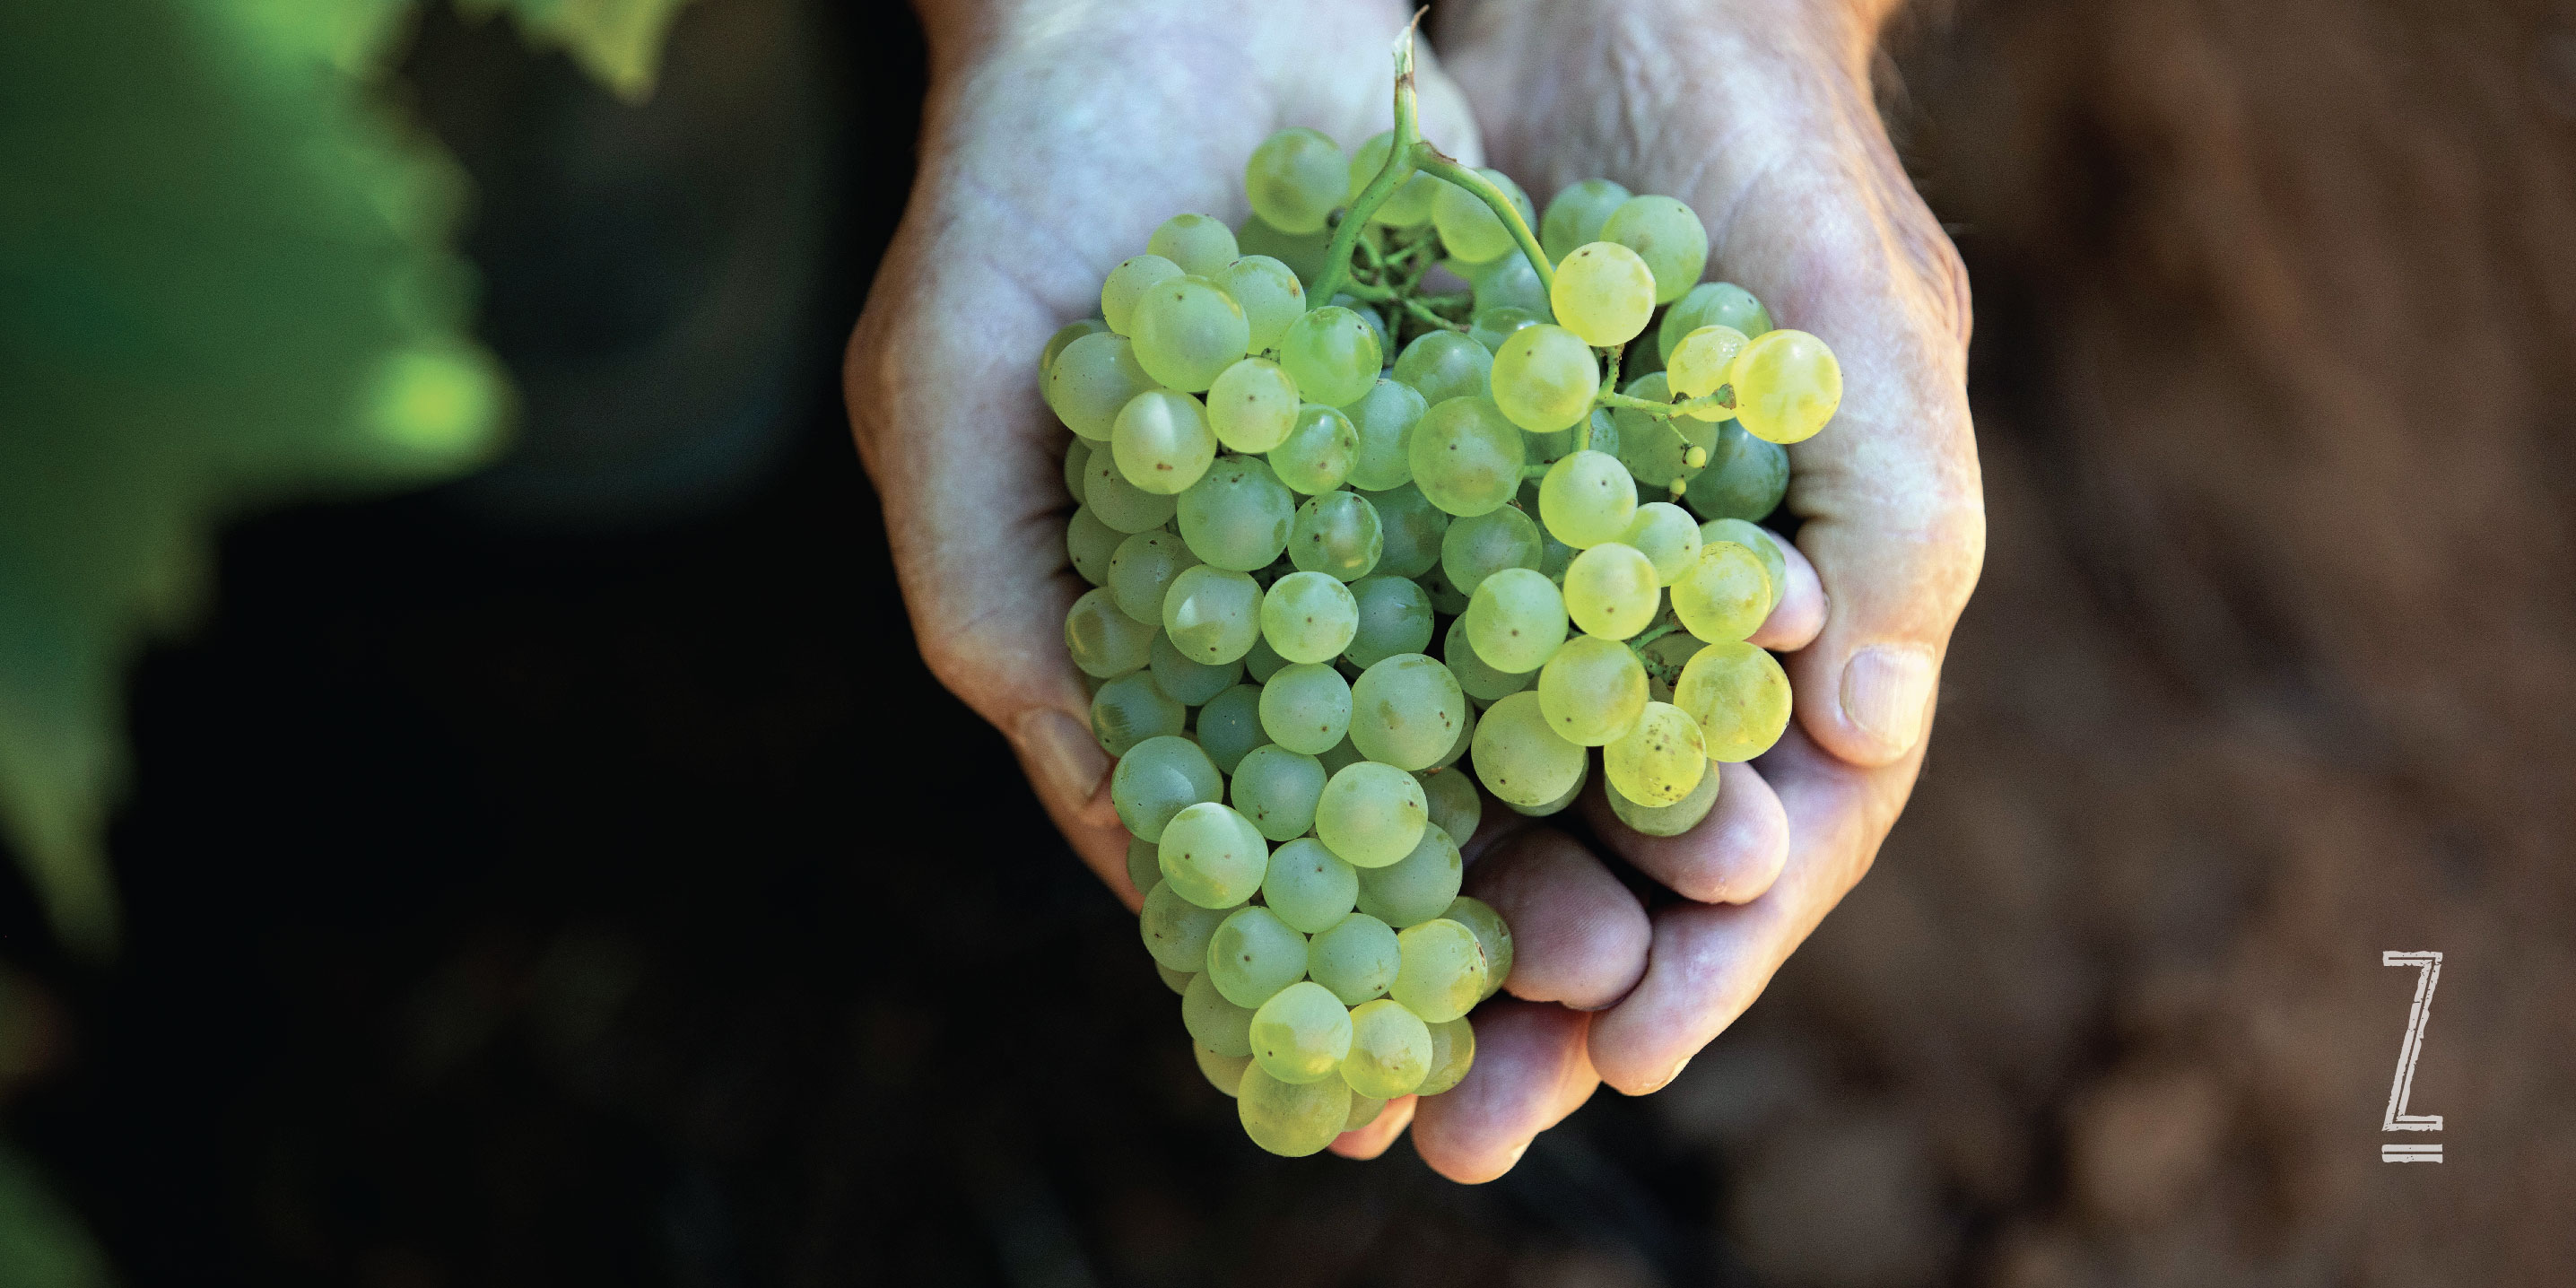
(1067, 761)
(1885, 688)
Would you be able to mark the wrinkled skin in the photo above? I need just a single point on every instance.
(1054, 143)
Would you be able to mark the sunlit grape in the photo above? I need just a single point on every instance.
(1301, 1034)
(1158, 778)
(1252, 405)
(1161, 441)
(1441, 365)
(1724, 594)
(1587, 498)
(1667, 235)
(1611, 591)
(1516, 619)
(1103, 639)
(1357, 958)
(1253, 954)
(1603, 293)
(1202, 246)
(1406, 711)
(1761, 541)
(1065, 335)
(1417, 887)
(1390, 1050)
(1711, 304)
(1384, 417)
(1371, 814)
(1666, 535)
(1543, 379)
(1332, 355)
(1592, 691)
(1121, 504)
(1277, 788)
(1336, 533)
(1739, 696)
(1319, 451)
(1309, 617)
(1306, 708)
(1575, 215)
(1237, 516)
(1212, 615)
(1492, 936)
(1703, 362)
(1787, 385)
(1187, 331)
(1128, 283)
(1091, 380)
(1442, 971)
(1661, 758)
(1466, 456)
(1674, 819)
(1453, 1052)
(1477, 679)
(1468, 228)
(1291, 1119)
(1295, 179)
(1519, 758)
(1212, 856)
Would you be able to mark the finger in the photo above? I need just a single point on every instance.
(1370, 1141)
(1531, 1071)
(1709, 962)
(1800, 614)
(1731, 857)
(1578, 936)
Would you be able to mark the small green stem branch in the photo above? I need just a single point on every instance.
(1722, 400)
(1651, 634)
(1433, 161)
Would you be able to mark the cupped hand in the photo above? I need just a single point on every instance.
(1760, 116)
(1054, 139)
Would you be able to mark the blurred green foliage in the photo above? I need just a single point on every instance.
(227, 278)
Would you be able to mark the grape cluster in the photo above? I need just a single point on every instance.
(1322, 580)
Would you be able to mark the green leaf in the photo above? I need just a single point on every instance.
(226, 279)
(619, 42)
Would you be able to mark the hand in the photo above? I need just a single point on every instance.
(1760, 116)
(1054, 140)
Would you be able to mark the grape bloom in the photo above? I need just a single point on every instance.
(1359, 546)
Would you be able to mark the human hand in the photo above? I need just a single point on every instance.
(1760, 117)
(1054, 139)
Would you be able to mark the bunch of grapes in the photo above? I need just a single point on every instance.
(1323, 580)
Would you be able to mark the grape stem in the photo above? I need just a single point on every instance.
(1722, 400)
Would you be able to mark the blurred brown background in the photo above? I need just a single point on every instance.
(529, 883)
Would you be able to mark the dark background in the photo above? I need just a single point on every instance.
(573, 876)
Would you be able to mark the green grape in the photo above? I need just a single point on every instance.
(1575, 215)
(1667, 235)
(1395, 617)
(1661, 758)
(1213, 856)
(1143, 568)
(1442, 970)
(1211, 614)
(1587, 498)
(1105, 642)
(1188, 331)
(1544, 378)
(1295, 180)
(1091, 380)
(1468, 230)
(1224, 1072)
(1309, 617)
(1787, 385)
(1666, 536)
(1091, 544)
(1118, 503)
(1306, 254)
(1761, 542)
(1406, 711)
(1740, 697)
(1176, 980)
(1307, 886)
(1218, 1026)
(1077, 456)
(1384, 417)
(1229, 728)
(1466, 738)
(1319, 451)
(1065, 335)
(1158, 778)
(1466, 456)
(1336, 533)
(1453, 1052)
(1480, 546)
(1276, 788)
(1291, 1119)
(1451, 797)
(1444, 597)
(1414, 528)
(1237, 515)
(1177, 931)
(1252, 406)
(1701, 363)
(1669, 820)
(1417, 887)
(1390, 1050)
(1611, 591)
(1144, 864)
(1603, 293)
(1332, 354)
(1490, 327)
(1301, 1034)
(1371, 814)
(1363, 1111)
(1442, 365)
(1200, 245)
(1515, 620)
(1339, 756)
(1711, 304)
(1492, 935)
(1356, 959)
(1658, 449)
(1186, 682)
(1745, 478)
(1511, 283)
(1477, 679)
(1592, 691)
(1519, 758)
(1253, 955)
(1409, 206)
(1262, 662)
(1368, 315)
(1306, 707)
(1271, 296)
(1128, 283)
(1724, 595)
